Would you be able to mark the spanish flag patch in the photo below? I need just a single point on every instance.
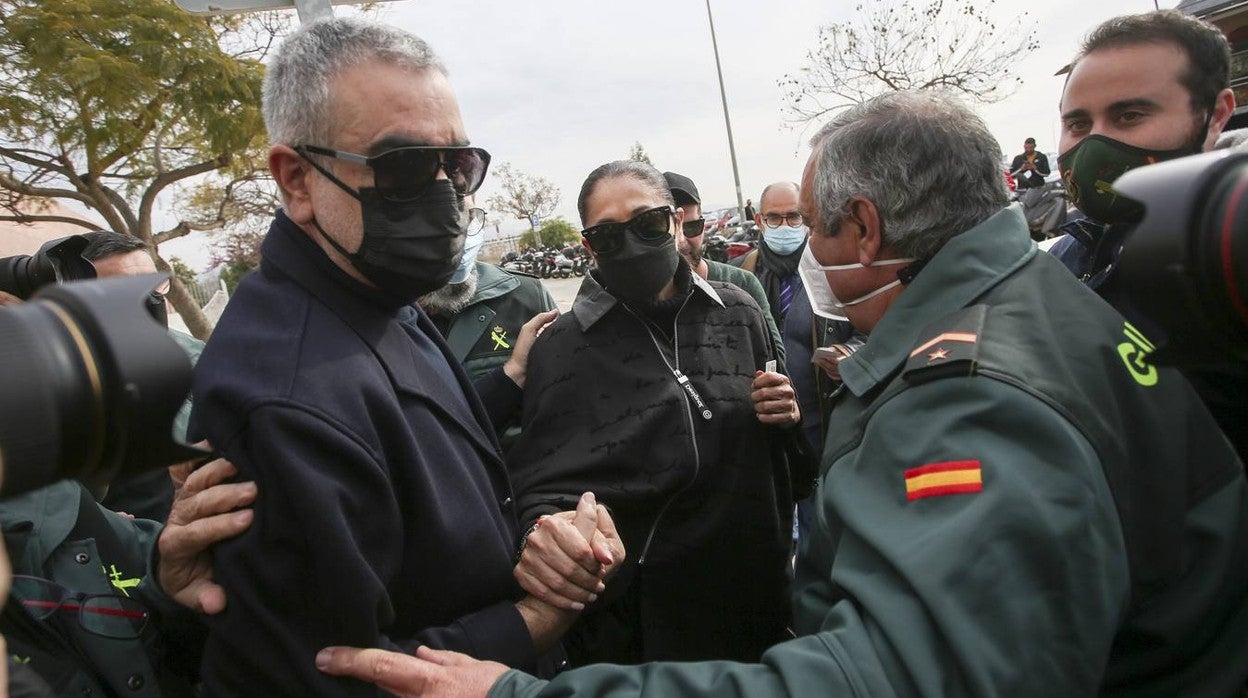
(950, 477)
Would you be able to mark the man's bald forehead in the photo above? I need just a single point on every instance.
(762, 200)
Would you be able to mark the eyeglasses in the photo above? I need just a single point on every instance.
(106, 615)
(649, 226)
(476, 221)
(401, 174)
(774, 220)
(693, 228)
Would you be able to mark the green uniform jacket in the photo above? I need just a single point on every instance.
(1013, 502)
(744, 280)
(59, 533)
(482, 334)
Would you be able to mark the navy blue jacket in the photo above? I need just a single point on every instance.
(384, 516)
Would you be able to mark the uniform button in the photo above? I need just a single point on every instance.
(505, 504)
(135, 682)
(82, 558)
(481, 317)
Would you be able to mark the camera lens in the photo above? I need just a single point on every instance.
(91, 385)
(1185, 265)
(56, 261)
(1220, 246)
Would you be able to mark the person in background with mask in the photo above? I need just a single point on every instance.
(784, 238)
(385, 514)
(149, 495)
(689, 244)
(655, 392)
(481, 312)
(1144, 88)
(985, 527)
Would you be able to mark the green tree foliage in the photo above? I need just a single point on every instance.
(890, 45)
(182, 270)
(638, 153)
(555, 232)
(523, 195)
(119, 105)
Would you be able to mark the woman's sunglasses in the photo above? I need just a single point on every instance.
(401, 174)
(649, 226)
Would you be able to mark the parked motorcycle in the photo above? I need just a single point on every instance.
(715, 248)
(1044, 207)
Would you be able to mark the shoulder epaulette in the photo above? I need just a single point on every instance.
(517, 272)
(948, 347)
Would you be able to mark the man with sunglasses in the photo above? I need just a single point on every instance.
(690, 242)
(385, 512)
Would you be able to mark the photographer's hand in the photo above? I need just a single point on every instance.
(205, 511)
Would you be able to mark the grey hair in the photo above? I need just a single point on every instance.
(927, 162)
(635, 169)
(296, 99)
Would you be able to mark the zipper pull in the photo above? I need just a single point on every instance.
(685, 383)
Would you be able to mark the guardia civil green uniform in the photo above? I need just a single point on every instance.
(1013, 502)
(481, 336)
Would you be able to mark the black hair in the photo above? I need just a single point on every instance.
(105, 243)
(640, 171)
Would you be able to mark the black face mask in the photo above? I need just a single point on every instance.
(639, 270)
(410, 248)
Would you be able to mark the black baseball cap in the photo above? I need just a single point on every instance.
(683, 189)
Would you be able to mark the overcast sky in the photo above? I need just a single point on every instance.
(558, 87)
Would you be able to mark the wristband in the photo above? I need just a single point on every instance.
(524, 538)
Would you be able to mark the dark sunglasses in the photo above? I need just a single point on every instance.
(106, 615)
(401, 174)
(649, 226)
(693, 228)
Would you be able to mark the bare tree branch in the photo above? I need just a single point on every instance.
(39, 218)
(24, 189)
(20, 154)
(906, 45)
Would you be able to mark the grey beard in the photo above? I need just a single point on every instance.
(451, 298)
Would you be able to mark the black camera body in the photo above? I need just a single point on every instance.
(1185, 266)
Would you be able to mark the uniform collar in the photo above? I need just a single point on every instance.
(492, 282)
(964, 269)
(593, 301)
(48, 513)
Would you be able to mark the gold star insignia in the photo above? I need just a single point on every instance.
(937, 355)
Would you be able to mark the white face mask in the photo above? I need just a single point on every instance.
(822, 300)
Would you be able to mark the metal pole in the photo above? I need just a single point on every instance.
(723, 96)
(310, 10)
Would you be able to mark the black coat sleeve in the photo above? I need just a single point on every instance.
(313, 568)
(501, 397)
